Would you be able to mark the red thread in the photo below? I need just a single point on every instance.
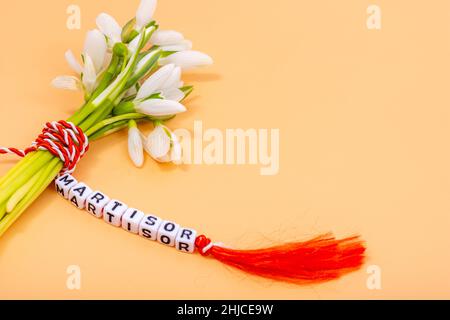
(320, 259)
(62, 139)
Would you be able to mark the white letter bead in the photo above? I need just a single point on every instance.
(185, 240)
(148, 228)
(131, 220)
(167, 233)
(64, 184)
(78, 195)
(95, 203)
(113, 212)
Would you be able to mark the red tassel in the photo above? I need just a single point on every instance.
(320, 259)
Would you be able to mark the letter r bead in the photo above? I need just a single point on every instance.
(185, 240)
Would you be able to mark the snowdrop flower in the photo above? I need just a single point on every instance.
(72, 61)
(160, 107)
(166, 81)
(96, 48)
(110, 28)
(94, 58)
(67, 83)
(145, 13)
(170, 40)
(155, 81)
(187, 59)
(163, 145)
(135, 144)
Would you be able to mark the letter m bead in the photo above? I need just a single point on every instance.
(64, 184)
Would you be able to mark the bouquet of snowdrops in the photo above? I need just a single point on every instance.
(127, 75)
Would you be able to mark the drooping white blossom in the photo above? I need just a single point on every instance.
(110, 28)
(163, 145)
(170, 40)
(155, 81)
(73, 62)
(144, 13)
(135, 145)
(67, 83)
(187, 59)
(160, 107)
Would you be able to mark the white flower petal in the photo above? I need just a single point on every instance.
(109, 27)
(135, 147)
(173, 80)
(67, 83)
(96, 47)
(160, 107)
(155, 81)
(158, 143)
(182, 46)
(164, 159)
(187, 59)
(173, 94)
(166, 37)
(72, 61)
(145, 12)
(142, 63)
(89, 76)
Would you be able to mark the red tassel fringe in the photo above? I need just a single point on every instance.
(320, 259)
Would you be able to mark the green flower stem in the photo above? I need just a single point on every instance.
(46, 176)
(14, 171)
(105, 131)
(31, 169)
(112, 120)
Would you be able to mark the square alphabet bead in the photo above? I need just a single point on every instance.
(64, 184)
(78, 195)
(131, 220)
(113, 212)
(95, 203)
(185, 240)
(167, 233)
(148, 228)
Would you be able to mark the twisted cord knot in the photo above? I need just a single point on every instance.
(62, 139)
(203, 245)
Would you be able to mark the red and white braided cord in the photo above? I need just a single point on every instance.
(62, 139)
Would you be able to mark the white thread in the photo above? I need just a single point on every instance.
(50, 138)
(211, 245)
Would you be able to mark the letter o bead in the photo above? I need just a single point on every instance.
(167, 233)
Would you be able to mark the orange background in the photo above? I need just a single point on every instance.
(364, 148)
